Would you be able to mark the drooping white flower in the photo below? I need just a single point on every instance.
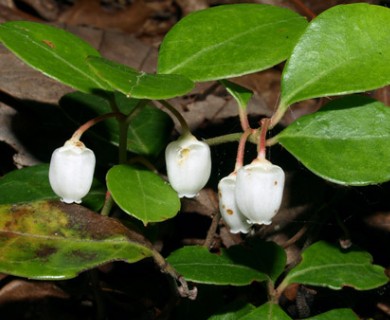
(233, 217)
(71, 171)
(259, 191)
(188, 163)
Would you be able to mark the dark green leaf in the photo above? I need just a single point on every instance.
(327, 265)
(55, 52)
(53, 240)
(233, 311)
(142, 194)
(139, 85)
(347, 142)
(229, 40)
(342, 314)
(32, 184)
(240, 94)
(344, 50)
(237, 266)
(197, 264)
(149, 130)
(267, 311)
(264, 256)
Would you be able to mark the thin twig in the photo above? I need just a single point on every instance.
(183, 288)
(212, 230)
(296, 237)
(108, 204)
(216, 218)
(304, 9)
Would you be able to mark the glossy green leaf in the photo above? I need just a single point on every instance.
(233, 311)
(344, 314)
(142, 193)
(344, 50)
(264, 256)
(149, 129)
(197, 264)
(240, 94)
(32, 184)
(52, 240)
(268, 311)
(139, 85)
(346, 142)
(236, 266)
(53, 51)
(229, 40)
(327, 265)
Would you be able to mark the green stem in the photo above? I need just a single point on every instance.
(278, 115)
(136, 109)
(111, 100)
(279, 290)
(124, 128)
(272, 293)
(183, 123)
(272, 141)
(243, 118)
(232, 137)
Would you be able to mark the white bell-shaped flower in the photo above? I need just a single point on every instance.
(236, 221)
(259, 191)
(71, 171)
(188, 163)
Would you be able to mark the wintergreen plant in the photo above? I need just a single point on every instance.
(343, 51)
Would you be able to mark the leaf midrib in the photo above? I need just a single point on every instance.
(289, 99)
(46, 237)
(225, 265)
(220, 44)
(43, 47)
(343, 265)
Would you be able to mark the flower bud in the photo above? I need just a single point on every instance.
(259, 191)
(71, 171)
(188, 163)
(236, 221)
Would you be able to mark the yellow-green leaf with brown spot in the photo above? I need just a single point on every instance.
(53, 240)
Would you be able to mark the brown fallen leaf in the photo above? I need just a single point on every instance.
(22, 290)
(188, 6)
(129, 19)
(20, 154)
(379, 220)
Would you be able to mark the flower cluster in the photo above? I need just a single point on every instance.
(251, 196)
(72, 166)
